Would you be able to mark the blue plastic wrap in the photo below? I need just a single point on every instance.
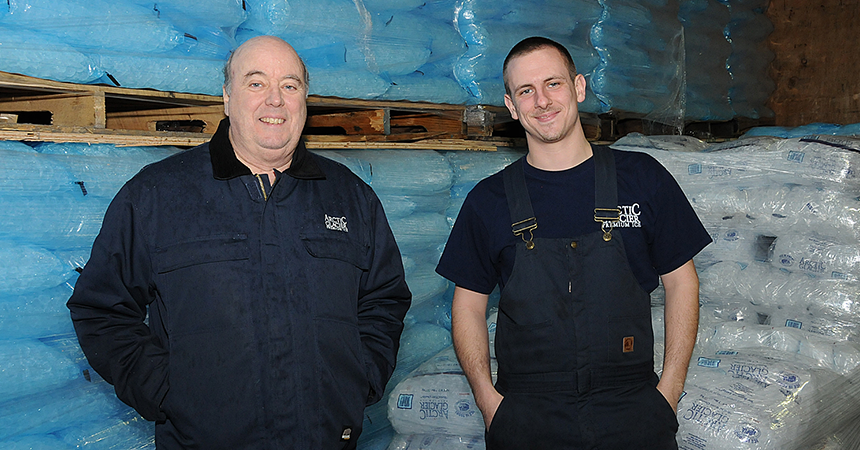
(491, 29)
(29, 366)
(641, 66)
(706, 52)
(96, 24)
(41, 55)
(57, 219)
(750, 59)
(35, 314)
(185, 13)
(29, 268)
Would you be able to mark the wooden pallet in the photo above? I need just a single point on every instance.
(611, 126)
(34, 109)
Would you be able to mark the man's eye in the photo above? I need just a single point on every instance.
(525, 92)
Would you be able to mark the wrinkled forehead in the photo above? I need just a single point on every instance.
(266, 56)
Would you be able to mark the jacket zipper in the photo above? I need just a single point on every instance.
(262, 187)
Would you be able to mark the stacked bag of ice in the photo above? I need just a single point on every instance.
(490, 29)
(446, 51)
(706, 53)
(414, 187)
(641, 68)
(168, 45)
(367, 49)
(778, 286)
(433, 408)
(53, 198)
(747, 31)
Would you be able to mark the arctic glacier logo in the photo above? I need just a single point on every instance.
(629, 217)
(336, 223)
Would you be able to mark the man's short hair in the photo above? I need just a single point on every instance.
(531, 44)
(228, 78)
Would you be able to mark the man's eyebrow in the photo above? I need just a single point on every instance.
(252, 73)
(547, 79)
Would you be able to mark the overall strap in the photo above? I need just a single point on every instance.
(522, 216)
(605, 190)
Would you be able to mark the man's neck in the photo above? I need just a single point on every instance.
(258, 168)
(560, 155)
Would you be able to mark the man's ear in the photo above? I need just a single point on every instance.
(509, 102)
(226, 97)
(579, 84)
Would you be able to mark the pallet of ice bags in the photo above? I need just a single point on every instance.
(749, 61)
(366, 49)
(763, 284)
(824, 161)
(834, 427)
(436, 442)
(817, 128)
(436, 399)
(835, 355)
(490, 29)
(469, 168)
(782, 209)
(706, 50)
(747, 399)
(640, 47)
(40, 55)
(815, 255)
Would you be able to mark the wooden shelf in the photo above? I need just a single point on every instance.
(33, 109)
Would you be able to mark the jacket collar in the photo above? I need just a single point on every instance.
(225, 165)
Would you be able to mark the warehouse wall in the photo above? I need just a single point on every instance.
(817, 61)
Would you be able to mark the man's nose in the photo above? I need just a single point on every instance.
(542, 100)
(274, 96)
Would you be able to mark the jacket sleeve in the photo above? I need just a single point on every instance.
(109, 307)
(383, 301)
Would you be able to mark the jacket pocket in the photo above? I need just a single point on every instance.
(332, 246)
(206, 249)
(203, 284)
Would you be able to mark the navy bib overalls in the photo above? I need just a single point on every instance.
(574, 341)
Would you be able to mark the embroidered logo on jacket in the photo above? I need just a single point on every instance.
(629, 217)
(336, 223)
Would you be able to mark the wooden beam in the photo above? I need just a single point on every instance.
(72, 110)
(159, 119)
(368, 122)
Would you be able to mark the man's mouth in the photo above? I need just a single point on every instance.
(272, 120)
(546, 116)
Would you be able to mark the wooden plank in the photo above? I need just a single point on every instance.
(374, 121)
(72, 110)
(433, 144)
(816, 63)
(42, 133)
(159, 119)
(23, 82)
(90, 135)
(430, 123)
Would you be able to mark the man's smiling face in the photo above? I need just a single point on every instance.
(544, 97)
(266, 100)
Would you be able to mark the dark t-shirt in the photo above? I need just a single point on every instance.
(660, 230)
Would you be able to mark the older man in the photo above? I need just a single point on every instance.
(246, 294)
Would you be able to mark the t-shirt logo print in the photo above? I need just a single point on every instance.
(336, 223)
(629, 217)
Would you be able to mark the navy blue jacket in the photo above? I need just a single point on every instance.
(274, 312)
